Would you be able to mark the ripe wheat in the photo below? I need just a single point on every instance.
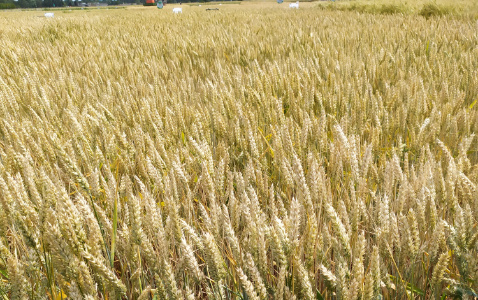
(253, 153)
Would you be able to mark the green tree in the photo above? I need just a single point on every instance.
(26, 3)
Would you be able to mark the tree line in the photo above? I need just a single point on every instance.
(11, 4)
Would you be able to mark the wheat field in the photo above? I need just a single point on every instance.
(254, 152)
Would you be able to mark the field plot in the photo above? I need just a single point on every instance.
(459, 8)
(253, 152)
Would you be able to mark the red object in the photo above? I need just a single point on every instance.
(150, 1)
